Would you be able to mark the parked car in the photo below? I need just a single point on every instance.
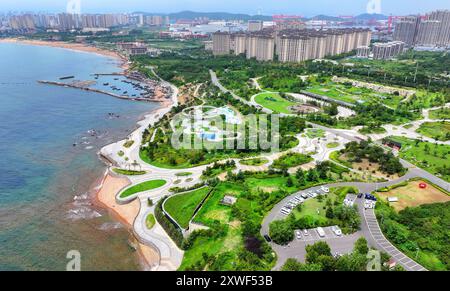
(337, 231)
(325, 189)
(305, 232)
(299, 234)
(267, 238)
(321, 232)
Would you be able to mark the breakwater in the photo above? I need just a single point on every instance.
(75, 86)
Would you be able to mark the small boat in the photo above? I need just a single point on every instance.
(105, 84)
(67, 77)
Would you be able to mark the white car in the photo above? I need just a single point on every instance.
(299, 235)
(305, 196)
(337, 231)
(305, 232)
(326, 189)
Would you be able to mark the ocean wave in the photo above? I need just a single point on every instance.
(110, 226)
(82, 212)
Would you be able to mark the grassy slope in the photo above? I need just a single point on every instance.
(436, 130)
(279, 104)
(182, 207)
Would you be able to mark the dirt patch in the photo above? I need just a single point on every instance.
(412, 195)
(268, 189)
(372, 169)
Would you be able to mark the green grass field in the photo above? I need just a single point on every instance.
(254, 162)
(146, 186)
(182, 207)
(291, 160)
(443, 113)
(352, 95)
(315, 133)
(150, 221)
(436, 130)
(333, 145)
(213, 210)
(274, 102)
(316, 208)
(430, 157)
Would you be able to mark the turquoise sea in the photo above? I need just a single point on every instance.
(44, 179)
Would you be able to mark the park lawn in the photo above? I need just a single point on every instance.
(214, 246)
(436, 130)
(443, 113)
(412, 195)
(254, 162)
(336, 157)
(291, 160)
(333, 145)
(353, 95)
(146, 186)
(213, 210)
(270, 184)
(316, 207)
(181, 207)
(430, 157)
(274, 102)
(315, 133)
(150, 221)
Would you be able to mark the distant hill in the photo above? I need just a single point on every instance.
(245, 17)
(212, 15)
(326, 18)
(367, 16)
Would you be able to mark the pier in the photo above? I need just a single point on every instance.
(97, 91)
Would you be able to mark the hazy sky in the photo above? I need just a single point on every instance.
(267, 7)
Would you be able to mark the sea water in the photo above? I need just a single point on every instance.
(48, 161)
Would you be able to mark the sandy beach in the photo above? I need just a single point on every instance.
(126, 214)
(81, 47)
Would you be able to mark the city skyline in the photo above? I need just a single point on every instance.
(265, 7)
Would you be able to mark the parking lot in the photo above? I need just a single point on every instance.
(313, 235)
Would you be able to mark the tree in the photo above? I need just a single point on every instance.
(329, 213)
(313, 252)
(289, 182)
(361, 246)
(332, 110)
(300, 175)
(281, 232)
(351, 262)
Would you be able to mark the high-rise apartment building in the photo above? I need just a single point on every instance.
(406, 30)
(385, 51)
(431, 30)
(291, 45)
(221, 43)
(255, 25)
